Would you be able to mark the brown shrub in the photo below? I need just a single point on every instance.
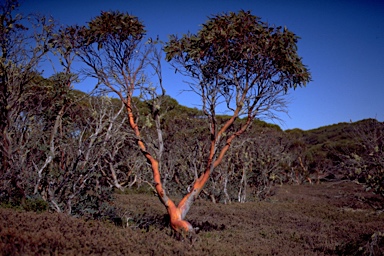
(326, 219)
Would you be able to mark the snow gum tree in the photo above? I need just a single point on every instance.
(241, 64)
(235, 61)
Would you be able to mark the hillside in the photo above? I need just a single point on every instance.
(341, 149)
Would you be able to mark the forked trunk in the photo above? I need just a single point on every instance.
(178, 213)
(177, 221)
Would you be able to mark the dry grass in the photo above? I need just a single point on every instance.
(326, 219)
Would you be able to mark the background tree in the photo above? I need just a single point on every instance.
(365, 161)
(256, 161)
(56, 143)
(23, 45)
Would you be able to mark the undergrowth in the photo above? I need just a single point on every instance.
(326, 219)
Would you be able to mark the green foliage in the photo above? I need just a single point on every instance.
(93, 202)
(142, 189)
(108, 26)
(36, 204)
(115, 26)
(33, 204)
(240, 42)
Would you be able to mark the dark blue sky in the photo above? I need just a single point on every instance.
(342, 42)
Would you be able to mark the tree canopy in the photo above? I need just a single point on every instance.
(238, 57)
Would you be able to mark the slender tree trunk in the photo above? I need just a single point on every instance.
(225, 190)
(4, 124)
(242, 195)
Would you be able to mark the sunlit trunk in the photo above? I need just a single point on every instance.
(178, 213)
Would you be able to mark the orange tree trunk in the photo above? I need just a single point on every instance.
(178, 213)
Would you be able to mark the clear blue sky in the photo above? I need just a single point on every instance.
(342, 42)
